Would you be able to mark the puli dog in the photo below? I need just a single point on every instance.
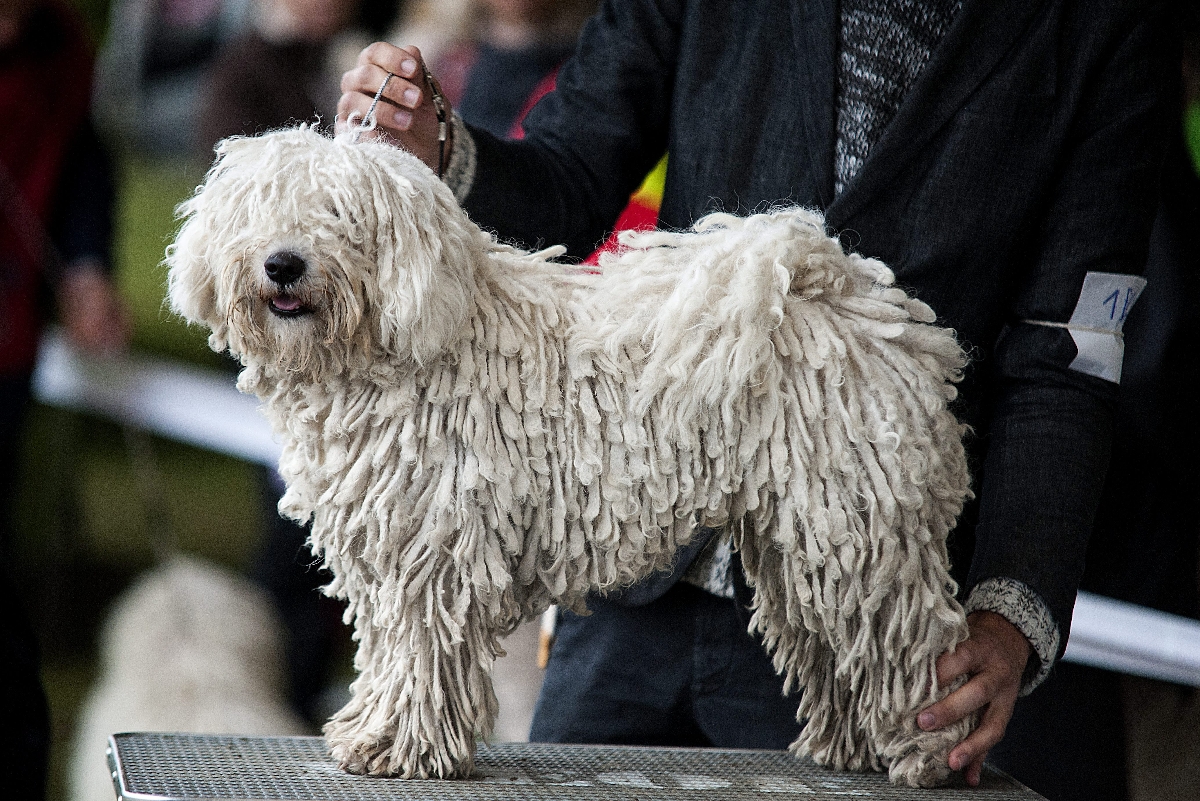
(476, 432)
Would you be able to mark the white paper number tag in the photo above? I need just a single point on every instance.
(1104, 302)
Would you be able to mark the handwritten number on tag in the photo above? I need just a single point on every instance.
(1114, 300)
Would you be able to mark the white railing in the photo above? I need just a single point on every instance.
(180, 402)
(202, 408)
(1128, 638)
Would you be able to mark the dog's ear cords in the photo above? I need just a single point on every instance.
(368, 122)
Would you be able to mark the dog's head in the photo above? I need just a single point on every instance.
(318, 256)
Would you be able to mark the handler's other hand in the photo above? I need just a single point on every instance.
(994, 659)
(92, 311)
(405, 115)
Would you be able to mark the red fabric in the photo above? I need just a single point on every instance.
(541, 90)
(637, 216)
(45, 85)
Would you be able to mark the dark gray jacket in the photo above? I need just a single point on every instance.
(1023, 157)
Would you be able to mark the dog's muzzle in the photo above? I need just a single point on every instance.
(284, 268)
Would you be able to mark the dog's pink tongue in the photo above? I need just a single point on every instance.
(286, 303)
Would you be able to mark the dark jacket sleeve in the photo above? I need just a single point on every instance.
(1051, 427)
(590, 143)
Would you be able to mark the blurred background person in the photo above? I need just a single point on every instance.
(153, 65)
(495, 58)
(165, 60)
(434, 25)
(282, 68)
(55, 231)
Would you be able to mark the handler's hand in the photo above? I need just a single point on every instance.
(92, 311)
(994, 657)
(405, 115)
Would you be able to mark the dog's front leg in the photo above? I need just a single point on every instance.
(423, 692)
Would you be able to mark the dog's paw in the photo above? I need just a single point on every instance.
(374, 753)
(362, 755)
(918, 758)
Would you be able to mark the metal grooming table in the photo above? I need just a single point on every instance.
(169, 767)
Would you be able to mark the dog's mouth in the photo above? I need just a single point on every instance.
(287, 306)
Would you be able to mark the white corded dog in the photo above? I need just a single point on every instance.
(476, 432)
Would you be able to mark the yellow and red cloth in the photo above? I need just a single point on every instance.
(642, 212)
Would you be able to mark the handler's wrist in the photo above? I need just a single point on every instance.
(1017, 603)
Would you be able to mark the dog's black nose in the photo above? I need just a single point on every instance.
(284, 267)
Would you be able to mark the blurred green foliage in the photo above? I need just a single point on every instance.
(1191, 130)
(149, 192)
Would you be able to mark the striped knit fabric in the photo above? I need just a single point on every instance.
(884, 46)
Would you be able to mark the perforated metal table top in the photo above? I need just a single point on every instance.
(158, 767)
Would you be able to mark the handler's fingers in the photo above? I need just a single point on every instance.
(404, 91)
(404, 116)
(995, 653)
(975, 770)
(981, 689)
(406, 87)
(971, 752)
(396, 103)
(402, 61)
(964, 659)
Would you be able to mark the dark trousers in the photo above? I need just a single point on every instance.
(293, 577)
(1066, 740)
(25, 734)
(678, 671)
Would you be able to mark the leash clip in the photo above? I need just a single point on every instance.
(368, 120)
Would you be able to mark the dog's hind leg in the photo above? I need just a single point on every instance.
(915, 757)
(919, 758)
(859, 705)
(794, 634)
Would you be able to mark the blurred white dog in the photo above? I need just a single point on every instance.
(476, 432)
(189, 647)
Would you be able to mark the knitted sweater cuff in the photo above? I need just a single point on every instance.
(460, 172)
(1018, 604)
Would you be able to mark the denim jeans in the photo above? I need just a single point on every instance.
(678, 671)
